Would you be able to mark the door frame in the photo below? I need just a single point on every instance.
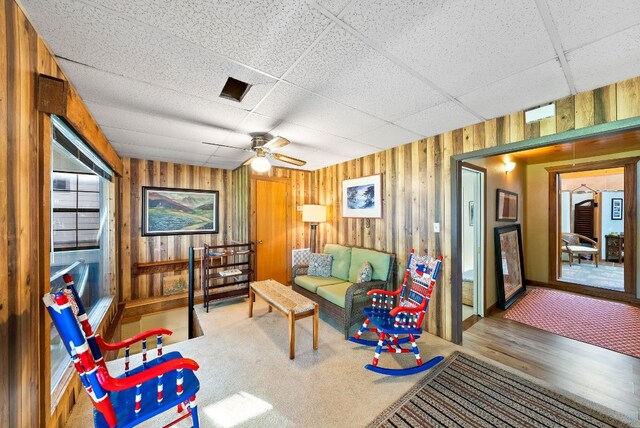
(630, 185)
(252, 214)
(483, 233)
(456, 160)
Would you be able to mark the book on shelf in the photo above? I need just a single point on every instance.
(231, 272)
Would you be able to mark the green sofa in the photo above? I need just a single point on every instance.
(338, 295)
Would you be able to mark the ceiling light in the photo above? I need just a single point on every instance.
(261, 164)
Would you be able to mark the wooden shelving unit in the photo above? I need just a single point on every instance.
(217, 262)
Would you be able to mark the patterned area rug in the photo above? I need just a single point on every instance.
(467, 392)
(610, 325)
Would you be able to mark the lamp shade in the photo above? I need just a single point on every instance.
(314, 213)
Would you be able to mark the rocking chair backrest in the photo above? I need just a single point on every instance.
(74, 340)
(423, 273)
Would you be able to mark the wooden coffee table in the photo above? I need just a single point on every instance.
(292, 305)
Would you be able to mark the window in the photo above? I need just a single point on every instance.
(76, 211)
(80, 192)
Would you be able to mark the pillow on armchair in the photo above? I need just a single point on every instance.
(320, 264)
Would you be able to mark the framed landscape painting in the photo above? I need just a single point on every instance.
(167, 211)
(362, 197)
(509, 265)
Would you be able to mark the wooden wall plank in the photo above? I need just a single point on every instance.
(628, 98)
(584, 110)
(5, 308)
(565, 114)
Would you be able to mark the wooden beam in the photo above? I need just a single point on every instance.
(57, 96)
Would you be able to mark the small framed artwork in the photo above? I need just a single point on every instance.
(616, 208)
(362, 197)
(471, 213)
(509, 264)
(167, 211)
(506, 205)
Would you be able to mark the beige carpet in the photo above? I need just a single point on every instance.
(247, 379)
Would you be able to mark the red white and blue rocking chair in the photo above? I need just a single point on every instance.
(134, 397)
(398, 324)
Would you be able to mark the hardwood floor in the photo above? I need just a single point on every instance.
(597, 374)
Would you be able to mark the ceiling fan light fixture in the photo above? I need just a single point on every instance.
(261, 164)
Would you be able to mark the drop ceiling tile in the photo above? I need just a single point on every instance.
(247, 32)
(255, 123)
(221, 164)
(153, 142)
(128, 48)
(388, 136)
(133, 151)
(459, 45)
(436, 120)
(300, 107)
(111, 90)
(334, 6)
(343, 68)
(609, 60)
(306, 137)
(537, 85)
(580, 22)
(118, 118)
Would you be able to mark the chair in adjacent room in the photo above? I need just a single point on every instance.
(132, 398)
(396, 316)
(576, 245)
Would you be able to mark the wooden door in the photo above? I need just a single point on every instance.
(271, 230)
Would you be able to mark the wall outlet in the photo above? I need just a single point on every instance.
(299, 208)
(436, 227)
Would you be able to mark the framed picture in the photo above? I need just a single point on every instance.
(471, 207)
(506, 205)
(167, 211)
(362, 197)
(616, 208)
(509, 264)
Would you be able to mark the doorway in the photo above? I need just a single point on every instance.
(473, 237)
(271, 233)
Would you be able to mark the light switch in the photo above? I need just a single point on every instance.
(436, 227)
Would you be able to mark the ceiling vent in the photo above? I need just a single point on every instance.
(234, 89)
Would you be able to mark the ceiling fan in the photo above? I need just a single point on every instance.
(264, 147)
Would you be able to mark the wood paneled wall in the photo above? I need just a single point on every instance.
(25, 164)
(416, 182)
(136, 248)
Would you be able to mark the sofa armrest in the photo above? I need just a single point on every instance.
(298, 270)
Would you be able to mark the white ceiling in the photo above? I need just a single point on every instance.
(340, 79)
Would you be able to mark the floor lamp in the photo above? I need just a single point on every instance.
(314, 214)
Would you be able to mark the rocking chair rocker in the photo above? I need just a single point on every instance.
(390, 321)
(137, 395)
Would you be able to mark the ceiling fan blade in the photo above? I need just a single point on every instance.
(248, 161)
(227, 146)
(289, 159)
(275, 143)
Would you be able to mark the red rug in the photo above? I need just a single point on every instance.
(610, 325)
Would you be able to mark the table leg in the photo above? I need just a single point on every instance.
(315, 327)
(292, 336)
(252, 298)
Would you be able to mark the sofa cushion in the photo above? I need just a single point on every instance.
(365, 272)
(341, 260)
(312, 283)
(320, 265)
(334, 293)
(379, 262)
